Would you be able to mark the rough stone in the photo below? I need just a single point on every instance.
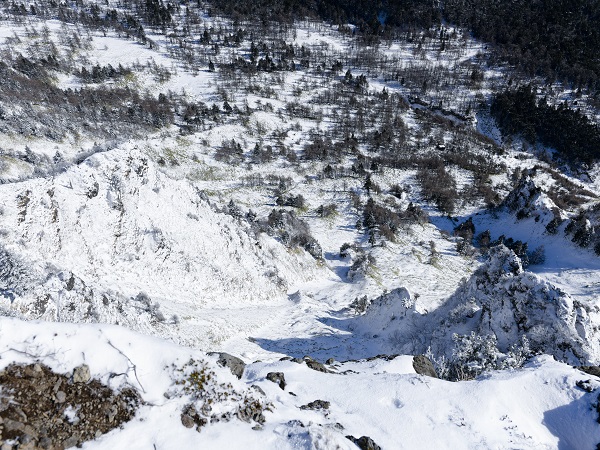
(60, 397)
(278, 378)
(585, 385)
(315, 365)
(81, 374)
(233, 363)
(70, 442)
(187, 421)
(364, 443)
(316, 405)
(591, 370)
(258, 389)
(45, 442)
(423, 366)
(13, 425)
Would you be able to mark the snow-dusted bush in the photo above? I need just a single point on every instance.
(292, 231)
(212, 400)
(475, 353)
(362, 266)
(506, 302)
(152, 308)
(360, 304)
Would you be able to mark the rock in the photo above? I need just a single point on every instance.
(70, 442)
(423, 366)
(258, 389)
(585, 385)
(187, 421)
(278, 378)
(233, 363)
(33, 371)
(60, 397)
(330, 361)
(45, 443)
(315, 365)
(13, 425)
(364, 443)
(316, 405)
(383, 357)
(81, 374)
(591, 370)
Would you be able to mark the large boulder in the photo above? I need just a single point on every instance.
(423, 366)
(233, 363)
(364, 443)
(277, 378)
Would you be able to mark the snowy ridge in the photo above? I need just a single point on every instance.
(500, 300)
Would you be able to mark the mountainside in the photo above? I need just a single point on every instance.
(388, 216)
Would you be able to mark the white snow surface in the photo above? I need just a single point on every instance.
(122, 242)
(537, 407)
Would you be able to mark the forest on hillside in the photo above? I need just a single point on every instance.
(554, 39)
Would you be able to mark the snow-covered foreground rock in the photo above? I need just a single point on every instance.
(537, 407)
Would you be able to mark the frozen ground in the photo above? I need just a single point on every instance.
(126, 240)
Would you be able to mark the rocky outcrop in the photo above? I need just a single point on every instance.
(277, 378)
(233, 363)
(423, 366)
(364, 443)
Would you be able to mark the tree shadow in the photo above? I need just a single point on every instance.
(339, 342)
(340, 270)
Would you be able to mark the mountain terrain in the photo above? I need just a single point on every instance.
(321, 225)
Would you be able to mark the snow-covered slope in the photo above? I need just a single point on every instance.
(536, 407)
(116, 240)
(170, 181)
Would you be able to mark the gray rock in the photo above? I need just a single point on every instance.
(13, 425)
(315, 365)
(71, 442)
(233, 363)
(423, 366)
(316, 405)
(364, 443)
(60, 397)
(258, 389)
(81, 374)
(585, 385)
(278, 378)
(45, 442)
(187, 421)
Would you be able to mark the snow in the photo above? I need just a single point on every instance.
(153, 251)
(537, 407)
